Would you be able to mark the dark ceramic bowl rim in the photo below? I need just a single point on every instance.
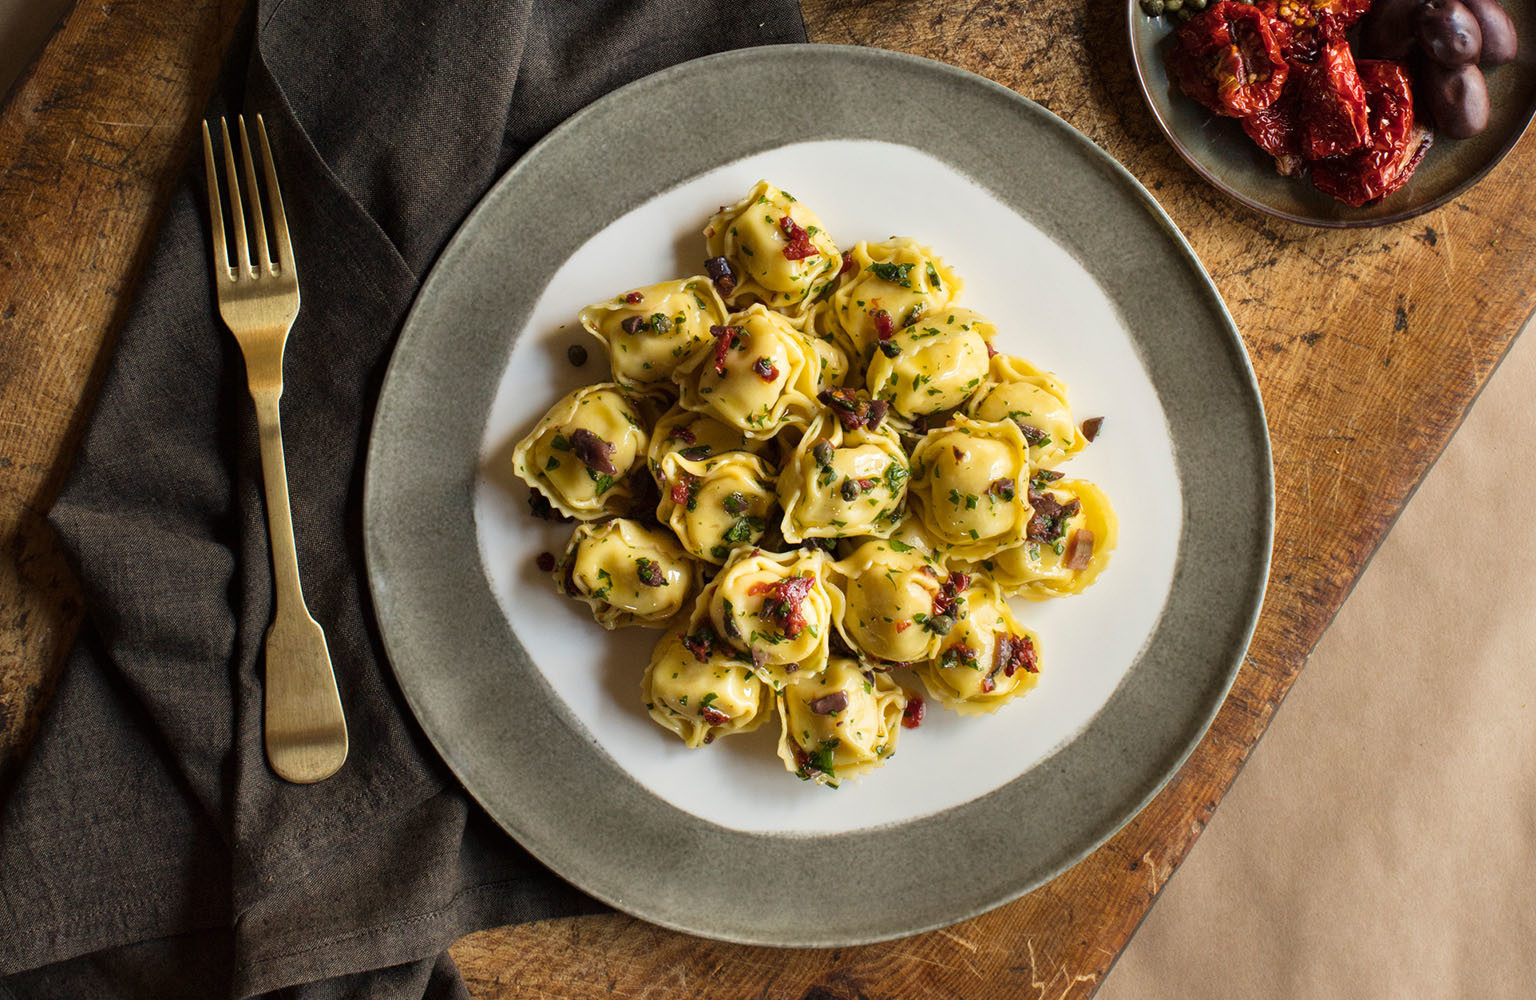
(1134, 16)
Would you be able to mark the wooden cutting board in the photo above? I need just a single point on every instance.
(1368, 345)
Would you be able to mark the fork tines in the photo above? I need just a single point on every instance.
(263, 265)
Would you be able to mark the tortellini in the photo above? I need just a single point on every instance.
(715, 504)
(1035, 400)
(840, 482)
(820, 402)
(759, 375)
(840, 724)
(892, 285)
(649, 331)
(777, 251)
(694, 436)
(581, 454)
(890, 590)
(932, 366)
(700, 689)
(986, 659)
(777, 608)
(627, 573)
(1072, 531)
(968, 483)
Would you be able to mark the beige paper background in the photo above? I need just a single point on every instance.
(1381, 841)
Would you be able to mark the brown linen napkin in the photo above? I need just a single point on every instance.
(145, 847)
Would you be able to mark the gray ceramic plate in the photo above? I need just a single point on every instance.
(1219, 151)
(488, 692)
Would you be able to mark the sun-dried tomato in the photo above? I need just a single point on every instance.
(726, 337)
(701, 643)
(1277, 129)
(1015, 653)
(848, 263)
(912, 714)
(1332, 111)
(685, 491)
(799, 246)
(884, 327)
(1227, 58)
(949, 594)
(782, 603)
(1397, 143)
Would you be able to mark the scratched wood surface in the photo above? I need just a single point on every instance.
(1368, 346)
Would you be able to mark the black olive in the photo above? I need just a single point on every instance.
(1448, 33)
(1458, 100)
(1499, 39)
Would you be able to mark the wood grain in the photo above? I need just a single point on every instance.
(1368, 345)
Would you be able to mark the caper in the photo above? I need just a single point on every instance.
(1184, 15)
(940, 624)
(1197, 4)
(822, 453)
(850, 490)
(1173, 6)
(576, 354)
(1152, 8)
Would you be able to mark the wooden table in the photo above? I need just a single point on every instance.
(1369, 346)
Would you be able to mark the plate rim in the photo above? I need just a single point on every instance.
(1138, 70)
(1264, 524)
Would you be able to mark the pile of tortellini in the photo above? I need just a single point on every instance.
(812, 468)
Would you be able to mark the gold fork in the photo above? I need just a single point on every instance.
(306, 734)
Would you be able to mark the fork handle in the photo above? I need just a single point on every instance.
(305, 729)
(274, 473)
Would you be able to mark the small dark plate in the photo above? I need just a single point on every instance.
(1219, 151)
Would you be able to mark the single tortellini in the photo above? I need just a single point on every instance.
(1072, 532)
(986, 659)
(770, 248)
(840, 724)
(627, 573)
(778, 608)
(759, 375)
(969, 480)
(933, 365)
(892, 593)
(1035, 400)
(694, 436)
(715, 504)
(891, 285)
(581, 453)
(701, 689)
(649, 331)
(841, 482)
